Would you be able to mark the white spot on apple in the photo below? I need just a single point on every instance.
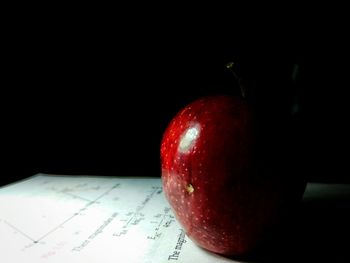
(188, 138)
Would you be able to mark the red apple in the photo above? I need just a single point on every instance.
(211, 176)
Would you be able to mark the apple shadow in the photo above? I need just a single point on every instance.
(318, 230)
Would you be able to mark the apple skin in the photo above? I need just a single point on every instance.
(212, 180)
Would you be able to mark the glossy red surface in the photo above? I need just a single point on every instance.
(209, 176)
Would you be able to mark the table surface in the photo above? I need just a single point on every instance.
(53, 218)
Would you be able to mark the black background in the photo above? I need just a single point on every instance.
(87, 98)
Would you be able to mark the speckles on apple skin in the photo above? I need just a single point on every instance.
(200, 165)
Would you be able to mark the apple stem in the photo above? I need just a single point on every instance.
(229, 66)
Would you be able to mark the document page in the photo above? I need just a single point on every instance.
(51, 218)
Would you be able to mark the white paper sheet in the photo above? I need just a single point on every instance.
(92, 219)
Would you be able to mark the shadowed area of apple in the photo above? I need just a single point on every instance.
(317, 231)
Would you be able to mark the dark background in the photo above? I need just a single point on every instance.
(82, 99)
